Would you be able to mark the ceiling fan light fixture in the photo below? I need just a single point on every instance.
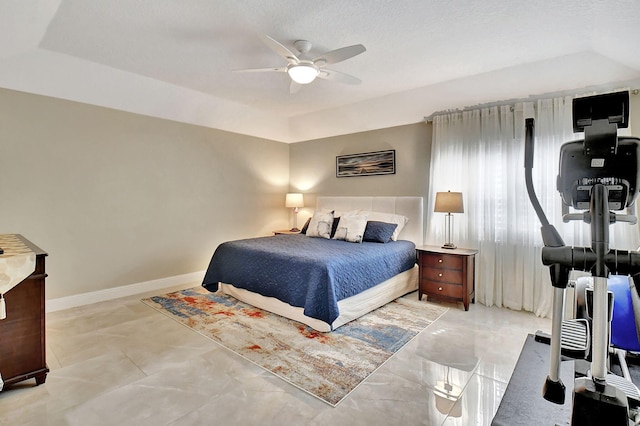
(303, 73)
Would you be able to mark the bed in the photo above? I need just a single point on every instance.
(330, 282)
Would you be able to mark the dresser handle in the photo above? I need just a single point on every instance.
(439, 275)
(439, 288)
(439, 260)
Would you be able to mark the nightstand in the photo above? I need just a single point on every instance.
(285, 232)
(447, 274)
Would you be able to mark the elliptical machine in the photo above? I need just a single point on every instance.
(598, 175)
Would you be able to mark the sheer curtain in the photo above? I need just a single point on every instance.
(480, 153)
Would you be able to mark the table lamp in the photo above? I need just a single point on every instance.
(449, 202)
(295, 201)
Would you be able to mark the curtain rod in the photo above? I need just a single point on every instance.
(533, 98)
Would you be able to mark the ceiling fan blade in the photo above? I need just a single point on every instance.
(280, 49)
(294, 87)
(338, 76)
(339, 55)
(283, 69)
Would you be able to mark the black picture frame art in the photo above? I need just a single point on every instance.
(366, 164)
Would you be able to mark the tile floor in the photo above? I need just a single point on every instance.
(122, 363)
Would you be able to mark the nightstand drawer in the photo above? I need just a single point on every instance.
(446, 276)
(437, 260)
(446, 290)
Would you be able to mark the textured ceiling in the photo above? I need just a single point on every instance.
(174, 58)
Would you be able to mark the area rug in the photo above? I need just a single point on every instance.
(326, 365)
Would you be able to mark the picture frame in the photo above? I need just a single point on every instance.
(366, 164)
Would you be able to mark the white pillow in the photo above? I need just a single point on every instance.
(340, 213)
(320, 225)
(351, 228)
(399, 220)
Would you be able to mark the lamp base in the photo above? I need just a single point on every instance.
(450, 246)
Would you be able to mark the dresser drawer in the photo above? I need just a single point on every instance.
(23, 332)
(441, 289)
(446, 276)
(437, 260)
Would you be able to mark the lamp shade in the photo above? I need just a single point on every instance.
(294, 200)
(303, 73)
(449, 202)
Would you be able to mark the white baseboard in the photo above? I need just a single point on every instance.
(123, 291)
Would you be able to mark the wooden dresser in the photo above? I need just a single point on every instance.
(447, 274)
(22, 332)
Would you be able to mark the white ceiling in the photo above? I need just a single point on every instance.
(174, 58)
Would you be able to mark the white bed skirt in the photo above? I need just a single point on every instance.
(350, 308)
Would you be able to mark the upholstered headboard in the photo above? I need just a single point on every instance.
(411, 207)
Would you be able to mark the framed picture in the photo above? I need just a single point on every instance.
(366, 164)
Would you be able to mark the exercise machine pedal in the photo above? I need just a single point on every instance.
(575, 340)
(626, 386)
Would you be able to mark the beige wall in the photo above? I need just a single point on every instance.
(118, 198)
(313, 164)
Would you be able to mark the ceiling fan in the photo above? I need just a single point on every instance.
(304, 70)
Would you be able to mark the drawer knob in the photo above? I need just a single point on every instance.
(439, 288)
(439, 275)
(439, 260)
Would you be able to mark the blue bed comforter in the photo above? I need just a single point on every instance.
(310, 273)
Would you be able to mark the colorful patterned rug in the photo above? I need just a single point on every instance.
(326, 365)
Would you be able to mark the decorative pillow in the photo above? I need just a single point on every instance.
(320, 225)
(379, 232)
(351, 228)
(340, 213)
(305, 227)
(334, 227)
(399, 220)
(336, 219)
